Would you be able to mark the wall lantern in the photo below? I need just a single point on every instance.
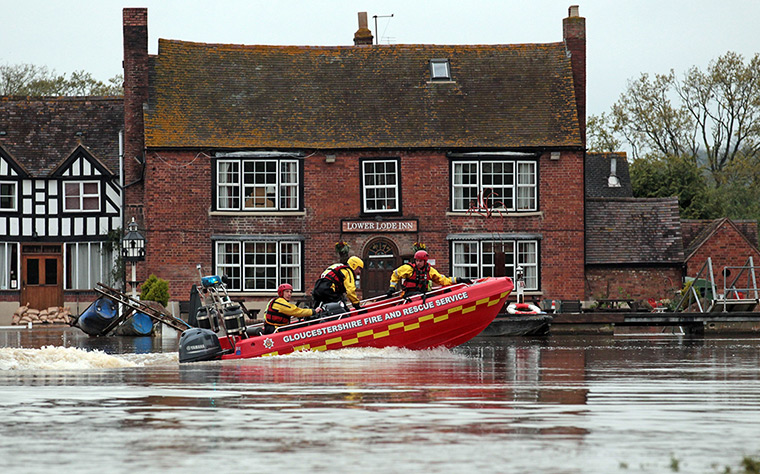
(133, 244)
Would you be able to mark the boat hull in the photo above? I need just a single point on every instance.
(447, 318)
(518, 325)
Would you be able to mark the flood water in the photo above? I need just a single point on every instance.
(555, 404)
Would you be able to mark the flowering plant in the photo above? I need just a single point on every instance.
(418, 246)
(342, 247)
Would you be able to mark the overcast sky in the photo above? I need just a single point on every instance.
(624, 37)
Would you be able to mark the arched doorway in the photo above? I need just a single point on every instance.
(380, 259)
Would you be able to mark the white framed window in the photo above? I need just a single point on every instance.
(8, 196)
(503, 185)
(9, 269)
(476, 259)
(258, 185)
(89, 263)
(228, 185)
(79, 196)
(440, 70)
(380, 186)
(262, 265)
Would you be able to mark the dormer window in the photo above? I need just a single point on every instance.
(440, 70)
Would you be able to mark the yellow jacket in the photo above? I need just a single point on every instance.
(406, 271)
(285, 307)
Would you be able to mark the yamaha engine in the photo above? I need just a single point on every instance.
(198, 344)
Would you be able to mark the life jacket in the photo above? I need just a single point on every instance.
(418, 281)
(275, 317)
(334, 275)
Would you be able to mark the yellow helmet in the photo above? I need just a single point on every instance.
(355, 262)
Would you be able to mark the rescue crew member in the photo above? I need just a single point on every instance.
(338, 280)
(280, 310)
(415, 278)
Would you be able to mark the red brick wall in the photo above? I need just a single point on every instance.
(135, 24)
(179, 226)
(562, 225)
(632, 282)
(726, 247)
(574, 34)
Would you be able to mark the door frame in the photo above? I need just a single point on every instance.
(50, 294)
(394, 249)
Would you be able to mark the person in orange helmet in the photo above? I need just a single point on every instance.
(415, 277)
(280, 310)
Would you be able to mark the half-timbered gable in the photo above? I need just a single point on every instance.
(87, 198)
(60, 198)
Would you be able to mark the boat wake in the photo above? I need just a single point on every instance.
(59, 358)
(387, 353)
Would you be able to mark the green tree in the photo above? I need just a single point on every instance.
(155, 289)
(31, 80)
(679, 176)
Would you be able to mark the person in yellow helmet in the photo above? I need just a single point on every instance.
(338, 280)
(415, 277)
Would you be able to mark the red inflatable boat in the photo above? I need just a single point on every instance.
(446, 317)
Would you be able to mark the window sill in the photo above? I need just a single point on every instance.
(494, 214)
(258, 213)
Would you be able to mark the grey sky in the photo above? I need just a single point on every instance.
(624, 37)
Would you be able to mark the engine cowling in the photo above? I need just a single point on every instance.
(198, 344)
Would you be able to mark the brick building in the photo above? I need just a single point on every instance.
(255, 160)
(726, 242)
(640, 248)
(634, 247)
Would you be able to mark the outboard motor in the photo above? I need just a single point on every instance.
(198, 344)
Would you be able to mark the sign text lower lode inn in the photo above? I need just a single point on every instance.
(379, 226)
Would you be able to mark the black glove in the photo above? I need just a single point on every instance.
(357, 306)
(466, 281)
(390, 292)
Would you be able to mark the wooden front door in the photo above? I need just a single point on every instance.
(41, 276)
(380, 259)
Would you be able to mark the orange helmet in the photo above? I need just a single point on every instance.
(421, 255)
(281, 289)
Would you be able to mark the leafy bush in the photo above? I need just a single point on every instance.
(155, 289)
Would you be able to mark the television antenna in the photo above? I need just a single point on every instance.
(376, 17)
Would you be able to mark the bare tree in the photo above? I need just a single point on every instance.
(724, 102)
(710, 116)
(31, 80)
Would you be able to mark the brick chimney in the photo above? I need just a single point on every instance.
(363, 36)
(574, 34)
(135, 24)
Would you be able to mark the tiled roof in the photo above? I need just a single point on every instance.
(700, 231)
(633, 231)
(233, 96)
(597, 169)
(41, 132)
